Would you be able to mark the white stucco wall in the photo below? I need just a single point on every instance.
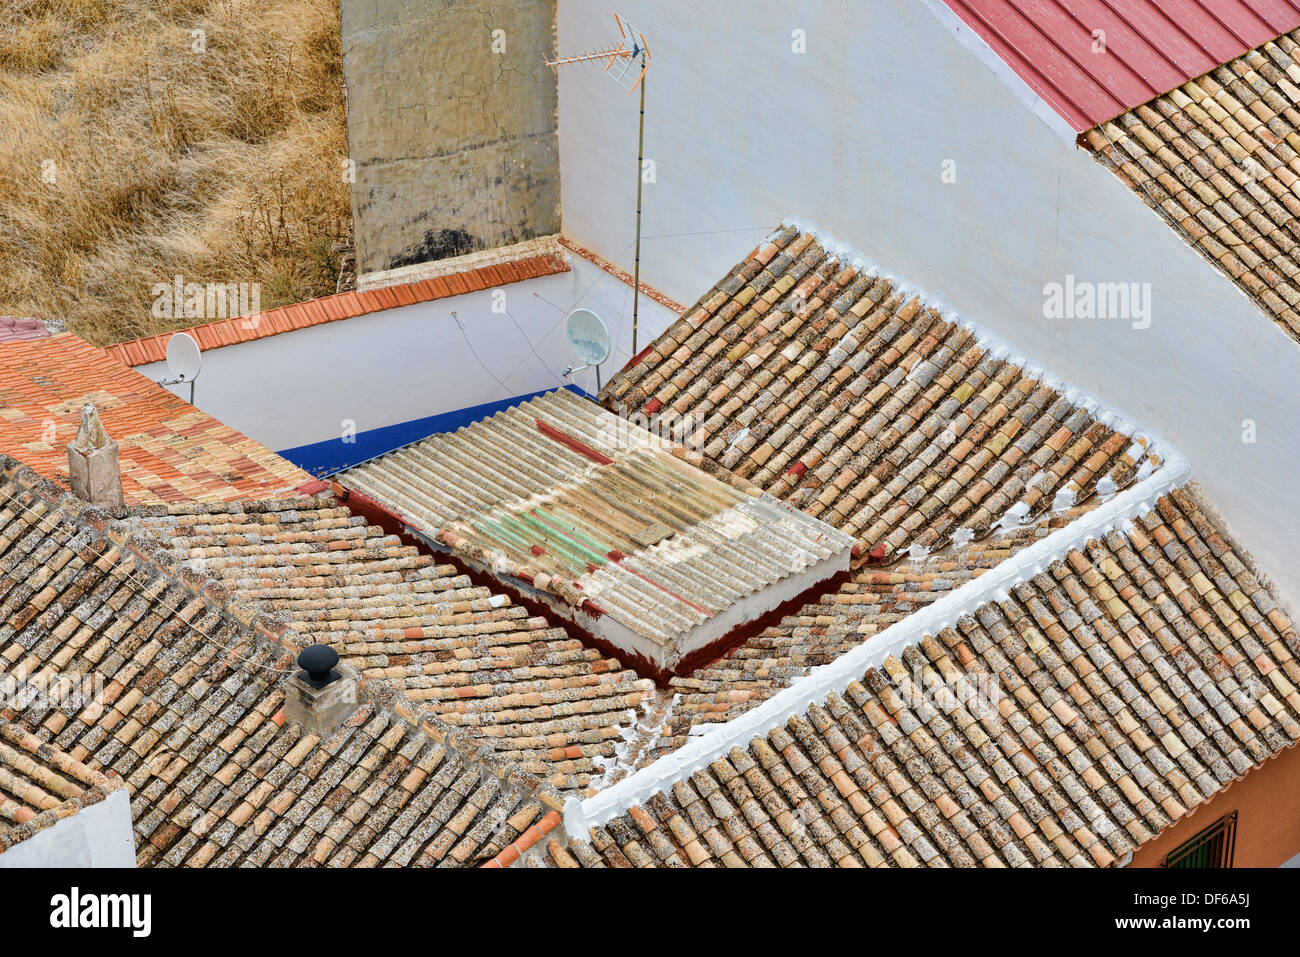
(853, 134)
(96, 836)
(386, 368)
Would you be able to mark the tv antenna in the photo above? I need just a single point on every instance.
(627, 64)
(183, 360)
(589, 339)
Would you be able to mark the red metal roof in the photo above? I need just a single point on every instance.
(1151, 46)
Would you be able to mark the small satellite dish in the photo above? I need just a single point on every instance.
(588, 337)
(183, 357)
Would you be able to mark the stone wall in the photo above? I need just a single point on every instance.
(451, 126)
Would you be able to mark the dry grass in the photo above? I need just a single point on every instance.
(220, 166)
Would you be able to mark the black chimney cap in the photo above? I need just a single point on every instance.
(317, 664)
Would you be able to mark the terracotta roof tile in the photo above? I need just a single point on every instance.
(190, 718)
(480, 663)
(40, 785)
(1101, 701)
(850, 399)
(302, 315)
(169, 450)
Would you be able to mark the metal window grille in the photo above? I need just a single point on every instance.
(1212, 847)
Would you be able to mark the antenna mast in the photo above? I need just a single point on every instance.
(627, 64)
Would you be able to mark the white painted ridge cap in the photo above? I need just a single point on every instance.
(985, 338)
(994, 585)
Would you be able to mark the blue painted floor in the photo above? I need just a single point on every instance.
(326, 458)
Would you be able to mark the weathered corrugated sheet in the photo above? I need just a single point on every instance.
(561, 493)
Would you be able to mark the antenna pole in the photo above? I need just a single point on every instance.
(640, 179)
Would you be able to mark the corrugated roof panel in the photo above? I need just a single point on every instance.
(560, 493)
(1151, 46)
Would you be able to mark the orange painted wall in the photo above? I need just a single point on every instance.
(1267, 802)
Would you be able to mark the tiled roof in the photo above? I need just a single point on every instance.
(190, 717)
(347, 305)
(1218, 158)
(40, 786)
(561, 494)
(480, 663)
(1150, 46)
(1103, 699)
(842, 393)
(867, 604)
(22, 330)
(169, 451)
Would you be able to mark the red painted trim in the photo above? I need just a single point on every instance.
(621, 274)
(565, 439)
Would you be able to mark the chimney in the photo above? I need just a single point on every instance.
(92, 462)
(324, 694)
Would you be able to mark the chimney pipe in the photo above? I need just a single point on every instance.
(93, 468)
(324, 693)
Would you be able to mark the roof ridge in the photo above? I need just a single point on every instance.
(275, 628)
(993, 584)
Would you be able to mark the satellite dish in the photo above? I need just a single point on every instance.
(183, 357)
(588, 337)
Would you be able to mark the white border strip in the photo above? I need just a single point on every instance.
(1012, 80)
(993, 585)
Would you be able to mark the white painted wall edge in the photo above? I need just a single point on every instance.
(993, 585)
(1013, 80)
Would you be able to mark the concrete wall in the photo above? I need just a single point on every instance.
(414, 362)
(453, 140)
(854, 134)
(97, 836)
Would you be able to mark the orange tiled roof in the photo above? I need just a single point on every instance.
(169, 450)
(40, 786)
(845, 395)
(346, 305)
